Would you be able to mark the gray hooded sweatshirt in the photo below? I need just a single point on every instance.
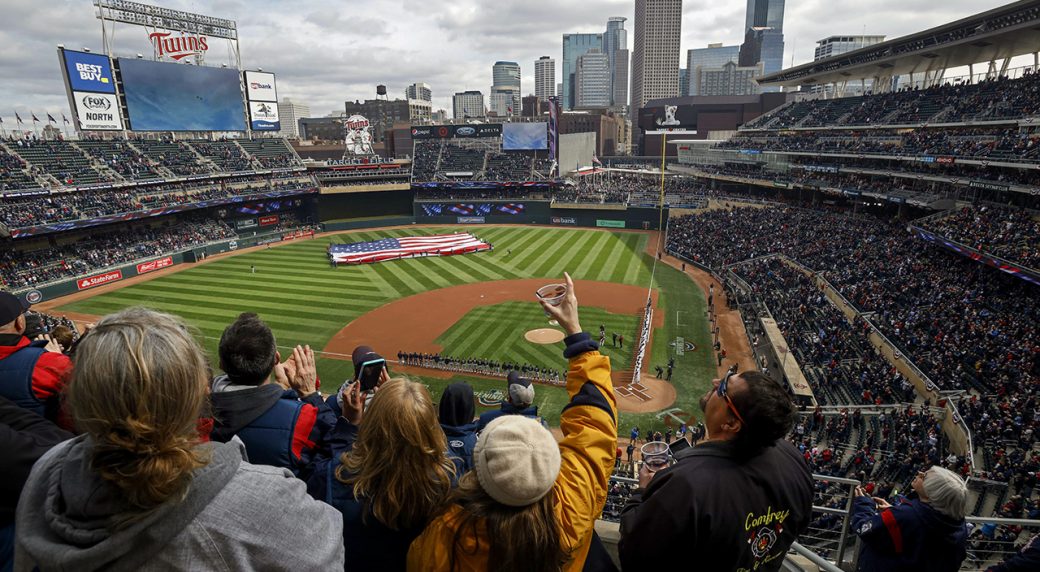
(235, 516)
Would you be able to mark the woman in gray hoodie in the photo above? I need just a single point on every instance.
(140, 490)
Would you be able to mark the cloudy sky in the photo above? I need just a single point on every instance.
(327, 52)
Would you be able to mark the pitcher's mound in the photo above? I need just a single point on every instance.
(544, 336)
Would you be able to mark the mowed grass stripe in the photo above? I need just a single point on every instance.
(592, 266)
(469, 334)
(567, 254)
(281, 302)
(415, 282)
(399, 285)
(485, 269)
(536, 250)
(248, 288)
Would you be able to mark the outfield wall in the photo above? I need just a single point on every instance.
(540, 212)
(366, 204)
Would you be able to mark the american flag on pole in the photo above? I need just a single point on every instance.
(406, 247)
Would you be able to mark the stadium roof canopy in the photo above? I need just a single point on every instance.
(994, 36)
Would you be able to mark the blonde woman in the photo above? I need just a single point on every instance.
(388, 474)
(138, 490)
(530, 503)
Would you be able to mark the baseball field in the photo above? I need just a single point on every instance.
(471, 306)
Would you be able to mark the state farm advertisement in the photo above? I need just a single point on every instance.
(268, 220)
(99, 279)
(153, 265)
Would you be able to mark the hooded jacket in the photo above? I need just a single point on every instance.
(38, 387)
(456, 411)
(278, 428)
(233, 516)
(908, 537)
(589, 426)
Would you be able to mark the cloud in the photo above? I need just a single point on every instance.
(325, 55)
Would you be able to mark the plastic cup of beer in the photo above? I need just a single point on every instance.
(656, 455)
(552, 293)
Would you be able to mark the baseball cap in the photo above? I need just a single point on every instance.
(361, 355)
(521, 392)
(11, 307)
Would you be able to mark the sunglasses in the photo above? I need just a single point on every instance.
(722, 391)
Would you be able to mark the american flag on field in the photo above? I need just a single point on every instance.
(406, 247)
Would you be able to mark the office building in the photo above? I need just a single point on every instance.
(544, 78)
(592, 80)
(468, 104)
(615, 39)
(505, 89)
(684, 82)
(837, 45)
(763, 36)
(730, 79)
(289, 115)
(574, 46)
(419, 91)
(714, 56)
(655, 50)
(328, 129)
(620, 79)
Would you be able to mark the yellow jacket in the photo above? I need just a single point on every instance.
(587, 451)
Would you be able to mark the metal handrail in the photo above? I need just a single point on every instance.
(816, 559)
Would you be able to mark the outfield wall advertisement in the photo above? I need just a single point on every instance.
(456, 131)
(91, 89)
(153, 265)
(99, 279)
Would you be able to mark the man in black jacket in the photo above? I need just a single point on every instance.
(737, 500)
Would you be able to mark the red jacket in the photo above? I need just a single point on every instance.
(51, 374)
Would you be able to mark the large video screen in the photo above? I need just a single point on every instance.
(525, 136)
(178, 97)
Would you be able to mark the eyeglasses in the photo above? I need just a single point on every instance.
(721, 390)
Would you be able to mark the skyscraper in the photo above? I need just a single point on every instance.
(505, 88)
(574, 46)
(592, 80)
(655, 51)
(684, 82)
(468, 104)
(620, 78)
(289, 115)
(714, 56)
(615, 39)
(764, 36)
(836, 45)
(419, 91)
(544, 78)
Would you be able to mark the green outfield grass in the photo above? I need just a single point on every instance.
(306, 302)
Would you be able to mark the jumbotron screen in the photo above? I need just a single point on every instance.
(179, 97)
(525, 136)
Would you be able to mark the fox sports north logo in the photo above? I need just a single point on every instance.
(96, 103)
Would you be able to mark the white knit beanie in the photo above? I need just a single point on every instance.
(516, 460)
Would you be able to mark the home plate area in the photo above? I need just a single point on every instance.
(636, 390)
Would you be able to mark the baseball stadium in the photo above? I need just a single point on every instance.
(863, 241)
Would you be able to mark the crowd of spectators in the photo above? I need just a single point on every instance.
(481, 366)
(26, 211)
(965, 325)
(988, 100)
(1011, 234)
(968, 143)
(29, 268)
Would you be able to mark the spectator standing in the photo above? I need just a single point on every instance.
(33, 374)
(519, 397)
(925, 534)
(455, 413)
(530, 504)
(1025, 560)
(745, 478)
(180, 503)
(274, 408)
(387, 471)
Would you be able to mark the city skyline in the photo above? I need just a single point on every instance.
(323, 58)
